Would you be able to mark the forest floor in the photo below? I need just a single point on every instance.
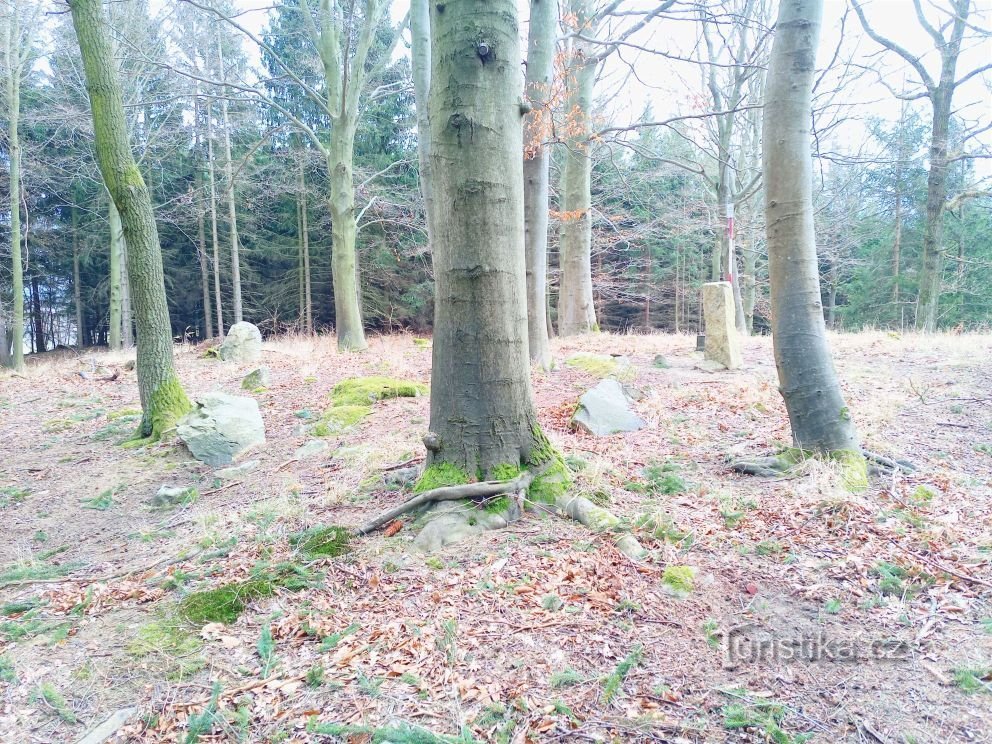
(815, 614)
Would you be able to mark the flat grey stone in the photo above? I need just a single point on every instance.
(220, 427)
(174, 496)
(259, 378)
(237, 471)
(605, 410)
(311, 449)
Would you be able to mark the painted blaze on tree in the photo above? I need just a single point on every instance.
(482, 413)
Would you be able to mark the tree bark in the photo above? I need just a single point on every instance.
(116, 249)
(420, 55)
(537, 167)
(344, 255)
(232, 212)
(77, 286)
(749, 284)
(576, 308)
(163, 400)
(305, 234)
(37, 318)
(201, 237)
(820, 419)
(218, 302)
(12, 50)
(482, 414)
(127, 310)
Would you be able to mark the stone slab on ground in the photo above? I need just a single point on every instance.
(723, 343)
(605, 410)
(220, 427)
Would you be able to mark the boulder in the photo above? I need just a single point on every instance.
(723, 344)
(237, 470)
(220, 427)
(605, 410)
(258, 379)
(174, 496)
(313, 448)
(243, 343)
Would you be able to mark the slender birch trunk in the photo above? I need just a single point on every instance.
(163, 400)
(820, 419)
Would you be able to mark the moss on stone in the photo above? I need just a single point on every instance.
(555, 478)
(439, 475)
(679, 578)
(598, 365)
(497, 505)
(223, 604)
(322, 542)
(854, 469)
(364, 391)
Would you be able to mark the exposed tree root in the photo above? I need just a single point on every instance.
(763, 467)
(454, 515)
(888, 464)
(486, 489)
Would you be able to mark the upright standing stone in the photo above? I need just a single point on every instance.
(723, 345)
(243, 343)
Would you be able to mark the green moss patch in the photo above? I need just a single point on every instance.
(601, 365)
(223, 604)
(681, 579)
(854, 469)
(352, 400)
(439, 475)
(322, 542)
(169, 641)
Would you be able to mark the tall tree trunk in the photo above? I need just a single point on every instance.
(344, 255)
(218, 302)
(232, 212)
(749, 283)
(537, 167)
(820, 418)
(77, 286)
(482, 415)
(163, 400)
(37, 318)
(420, 54)
(576, 308)
(201, 233)
(305, 232)
(833, 278)
(301, 295)
(127, 310)
(932, 261)
(116, 249)
(12, 49)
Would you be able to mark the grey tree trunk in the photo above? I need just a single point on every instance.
(420, 53)
(482, 415)
(576, 308)
(201, 237)
(232, 212)
(127, 310)
(218, 302)
(537, 167)
(749, 284)
(820, 419)
(163, 400)
(14, 65)
(305, 247)
(77, 287)
(116, 249)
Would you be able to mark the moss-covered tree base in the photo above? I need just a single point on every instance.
(852, 465)
(167, 404)
(448, 522)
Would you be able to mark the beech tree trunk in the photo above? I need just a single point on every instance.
(820, 419)
(420, 55)
(482, 414)
(576, 308)
(37, 318)
(163, 400)
(127, 314)
(232, 212)
(12, 53)
(344, 255)
(537, 167)
(201, 236)
(305, 247)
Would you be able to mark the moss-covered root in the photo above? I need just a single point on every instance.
(852, 464)
(166, 405)
(598, 519)
(453, 521)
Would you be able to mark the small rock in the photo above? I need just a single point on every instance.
(660, 362)
(257, 379)
(605, 410)
(401, 476)
(220, 427)
(129, 365)
(237, 471)
(174, 496)
(243, 343)
(311, 449)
